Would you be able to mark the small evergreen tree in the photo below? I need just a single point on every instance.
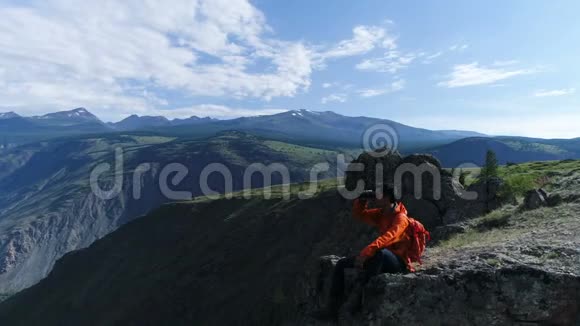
(463, 176)
(490, 168)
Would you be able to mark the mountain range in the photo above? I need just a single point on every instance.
(472, 150)
(305, 126)
(8, 115)
(16, 130)
(135, 122)
(327, 128)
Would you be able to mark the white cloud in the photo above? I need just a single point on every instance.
(391, 62)
(347, 89)
(365, 39)
(344, 87)
(216, 111)
(66, 54)
(428, 58)
(338, 97)
(555, 92)
(474, 74)
(458, 47)
(125, 54)
(395, 86)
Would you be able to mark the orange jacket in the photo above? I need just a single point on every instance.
(391, 225)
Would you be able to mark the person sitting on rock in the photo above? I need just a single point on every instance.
(389, 253)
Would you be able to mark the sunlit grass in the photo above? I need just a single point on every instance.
(279, 191)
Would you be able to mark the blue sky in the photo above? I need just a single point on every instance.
(499, 67)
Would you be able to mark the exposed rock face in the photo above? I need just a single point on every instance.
(504, 296)
(468, 296)
(29, 251)
(389, 161)
(464, 296)
(430, 193)
(537, 198)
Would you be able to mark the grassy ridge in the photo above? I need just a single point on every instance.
(510, 222)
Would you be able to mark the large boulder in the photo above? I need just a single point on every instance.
(474, 294)
(430, 193)
(507, 296)
(418, 159)
(535, 198)
(369, 161)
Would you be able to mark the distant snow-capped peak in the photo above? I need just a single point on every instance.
(8, 115)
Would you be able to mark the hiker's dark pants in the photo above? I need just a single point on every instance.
(384, 261)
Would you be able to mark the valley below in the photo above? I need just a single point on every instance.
(49, 209)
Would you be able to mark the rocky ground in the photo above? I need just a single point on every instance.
(513, 266)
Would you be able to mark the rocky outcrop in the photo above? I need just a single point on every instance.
(535, 198)
(484, 295)
(505, 296)
(513, 267)
(512, 279)
(430, 193)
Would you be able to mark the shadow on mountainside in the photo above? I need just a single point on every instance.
(257, 262)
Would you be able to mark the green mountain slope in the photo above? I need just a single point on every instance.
(17, 130)
(325, 128)
(508, 149)
(47, 207)
(303, 126)
(175, 267)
